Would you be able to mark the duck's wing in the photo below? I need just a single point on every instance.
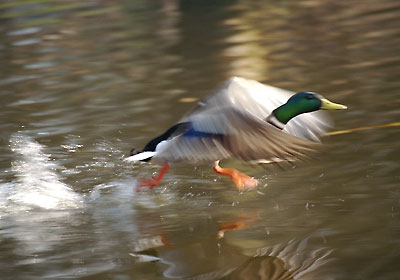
(260, 100)
(226, 132)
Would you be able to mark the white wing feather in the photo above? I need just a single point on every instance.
(233, 122)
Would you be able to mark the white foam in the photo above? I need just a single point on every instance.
(37, 182)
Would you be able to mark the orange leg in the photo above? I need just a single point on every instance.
(154, 181)
(164, 240)
(240, 222)
(241, 180)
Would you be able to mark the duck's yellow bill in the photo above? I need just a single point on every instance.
(328, 105)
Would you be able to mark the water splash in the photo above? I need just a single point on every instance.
(37, 183)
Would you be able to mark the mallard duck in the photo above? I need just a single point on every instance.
(243, 119)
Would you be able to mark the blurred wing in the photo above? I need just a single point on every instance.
(260, 100)
(226, 132)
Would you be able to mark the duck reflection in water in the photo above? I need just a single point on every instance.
(265, 267)
(218, 256)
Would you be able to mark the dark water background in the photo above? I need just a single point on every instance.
(82, 82)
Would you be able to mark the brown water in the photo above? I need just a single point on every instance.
(82, 82)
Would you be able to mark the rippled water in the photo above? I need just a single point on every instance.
(84, 82)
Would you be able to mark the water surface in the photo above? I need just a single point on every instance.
(84, 82)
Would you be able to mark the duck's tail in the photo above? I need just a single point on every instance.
(135, 156)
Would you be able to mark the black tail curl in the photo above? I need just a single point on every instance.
(134, 151)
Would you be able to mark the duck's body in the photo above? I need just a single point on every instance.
(243, 119)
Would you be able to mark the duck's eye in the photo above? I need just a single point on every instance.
(309, 97)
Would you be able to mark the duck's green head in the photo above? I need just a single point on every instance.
(304, 102)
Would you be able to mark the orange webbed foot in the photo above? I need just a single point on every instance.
(244, 182)
(241, 180)
(145, 184)
(239, 222)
